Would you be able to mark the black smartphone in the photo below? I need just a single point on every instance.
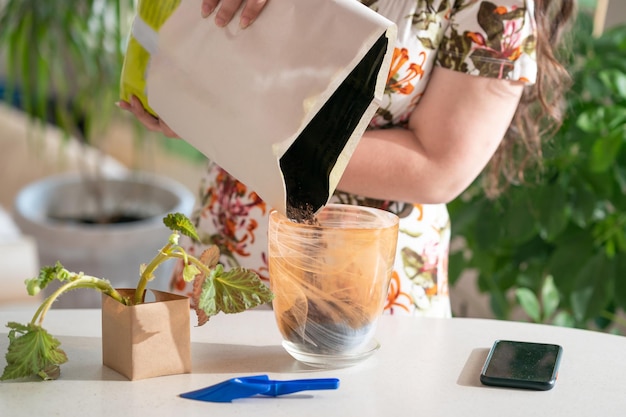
(522, 365)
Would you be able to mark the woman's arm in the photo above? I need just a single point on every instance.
(453, 132)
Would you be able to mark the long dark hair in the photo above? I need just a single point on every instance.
(541, 108)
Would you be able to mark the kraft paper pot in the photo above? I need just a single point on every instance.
(147, 340)
(330, 281)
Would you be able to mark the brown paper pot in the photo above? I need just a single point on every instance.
(147, 340)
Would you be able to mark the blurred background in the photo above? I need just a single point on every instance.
(553, 251)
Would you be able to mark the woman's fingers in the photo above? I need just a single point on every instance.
(166, 130)
(208, 6)
(226, 9)
(150, 122)
(250, 12)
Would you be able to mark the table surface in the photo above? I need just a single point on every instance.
(424, 367)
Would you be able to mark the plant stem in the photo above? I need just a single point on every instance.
(84, 281)
(171, 250)
(147, 273)
(192, 259)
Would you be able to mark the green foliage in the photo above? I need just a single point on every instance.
(232, 291)
(32, 351)
(63, 59)
(47, 274)
(180, 223)
(36, 352)
(559, 243)
(540, 309)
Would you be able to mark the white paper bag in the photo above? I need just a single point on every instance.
(280, 105)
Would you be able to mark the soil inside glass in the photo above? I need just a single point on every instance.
(330, 281)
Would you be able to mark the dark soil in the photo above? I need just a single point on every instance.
(304, 214)
(114, 218)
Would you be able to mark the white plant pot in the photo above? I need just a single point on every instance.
(111, 251)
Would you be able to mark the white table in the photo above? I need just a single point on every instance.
(425, 367)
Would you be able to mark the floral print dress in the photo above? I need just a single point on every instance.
(482, 38)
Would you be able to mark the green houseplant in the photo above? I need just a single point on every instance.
(557, 246)
(33, 351)
(63, 60)
(61, 65)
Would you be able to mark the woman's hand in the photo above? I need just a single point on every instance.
(226, 9)
(149, 121)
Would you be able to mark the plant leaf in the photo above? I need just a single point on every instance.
(529, 302)
(549, 297)
(615, 80)
(233, 291)
(568, 258)
(594, 285)
(210, 258)
(564, 319)
(605, 151)
(189, 272)
(47, 274)
(550, 210)
(180, 223)
(33, 352)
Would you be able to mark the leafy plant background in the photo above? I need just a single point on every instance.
(556, 247)
(63, 60)
(60, 63)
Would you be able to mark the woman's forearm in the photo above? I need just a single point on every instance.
(390, 165)
(452, 134)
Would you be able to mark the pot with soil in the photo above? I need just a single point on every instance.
(330, 279)
(106, 226)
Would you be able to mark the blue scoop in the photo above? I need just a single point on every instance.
(244, 387)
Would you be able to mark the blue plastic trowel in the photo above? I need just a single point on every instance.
(244, 387)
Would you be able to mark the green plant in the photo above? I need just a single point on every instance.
(558, 244)
(63, 60)
(62, 63)
(33, 351)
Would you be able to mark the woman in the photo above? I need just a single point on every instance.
(473, 85)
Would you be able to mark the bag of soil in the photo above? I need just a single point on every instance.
(280, 105)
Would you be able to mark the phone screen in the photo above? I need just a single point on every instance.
(522, 365)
